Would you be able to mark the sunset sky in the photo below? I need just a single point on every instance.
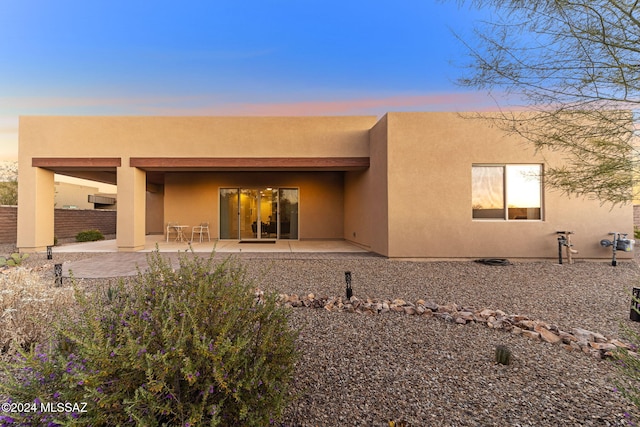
(251, 57)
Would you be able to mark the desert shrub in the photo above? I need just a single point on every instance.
(28, 306)
(185, 347)
(89, 236)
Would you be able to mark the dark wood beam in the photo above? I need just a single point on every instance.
(335, 163)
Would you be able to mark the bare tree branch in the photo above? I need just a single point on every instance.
(576, 67)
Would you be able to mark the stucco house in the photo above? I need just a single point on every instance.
(79, 196)
(407, 185)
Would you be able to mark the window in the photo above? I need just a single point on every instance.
(507, 192)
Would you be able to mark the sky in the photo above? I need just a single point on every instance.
(235, 57)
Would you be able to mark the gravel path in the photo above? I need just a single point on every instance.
(367, 370)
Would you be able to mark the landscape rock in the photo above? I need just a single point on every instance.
(547, 335)
(580, 339)
(530, 334)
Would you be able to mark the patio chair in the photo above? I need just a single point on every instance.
(200, 230)
(171, 229)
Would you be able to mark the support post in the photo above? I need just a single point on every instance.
(131, 215)
(35, 208)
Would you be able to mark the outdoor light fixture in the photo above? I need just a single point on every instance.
(347, 278)
(635, 305)
(58, 274)
(49, 252)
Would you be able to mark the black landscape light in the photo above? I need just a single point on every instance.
(347, 278)
(635, 305)
(58, 274)
(49, 252)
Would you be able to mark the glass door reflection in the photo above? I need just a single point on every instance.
(249, 226)
(229, 213)
(266, 213)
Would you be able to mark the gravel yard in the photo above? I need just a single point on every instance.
(366, 370)
(369, 369)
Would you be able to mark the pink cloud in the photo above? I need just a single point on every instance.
(367, 106)
(209, 105)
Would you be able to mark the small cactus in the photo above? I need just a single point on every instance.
(13, 260)
(503, 355)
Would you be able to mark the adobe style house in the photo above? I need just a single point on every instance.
(407, 185)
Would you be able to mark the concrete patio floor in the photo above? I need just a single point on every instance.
(108, 262)
(224, 246)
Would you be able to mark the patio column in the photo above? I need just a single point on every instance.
(35, 209)
(130, 229)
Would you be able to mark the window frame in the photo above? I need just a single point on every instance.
(505, 184)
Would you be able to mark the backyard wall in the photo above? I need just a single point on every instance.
(8, 224)
(636, 215)
(68, 222)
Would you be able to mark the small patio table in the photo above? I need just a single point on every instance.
(180, 232)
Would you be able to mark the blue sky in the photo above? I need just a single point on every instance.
(253, 57)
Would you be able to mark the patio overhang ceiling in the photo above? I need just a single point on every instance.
(100, 169)
(104, 169)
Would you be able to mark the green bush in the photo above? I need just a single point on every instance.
(89, 236)
(185, 347)
(13, 260)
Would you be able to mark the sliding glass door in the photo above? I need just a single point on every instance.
(288, 218)
(258, 213)
(229, 224)
(248, 214)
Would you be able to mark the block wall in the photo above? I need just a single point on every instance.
(8, 224)
(68, 222)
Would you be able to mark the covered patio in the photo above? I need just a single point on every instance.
(223, 246)
(106, 261)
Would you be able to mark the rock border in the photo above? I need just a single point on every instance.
(588, 342)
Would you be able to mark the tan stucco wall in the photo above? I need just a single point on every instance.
(67, 195)
(193, 197)
(155, 211)
(64, 136)
(430, 156)
(366, 195)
